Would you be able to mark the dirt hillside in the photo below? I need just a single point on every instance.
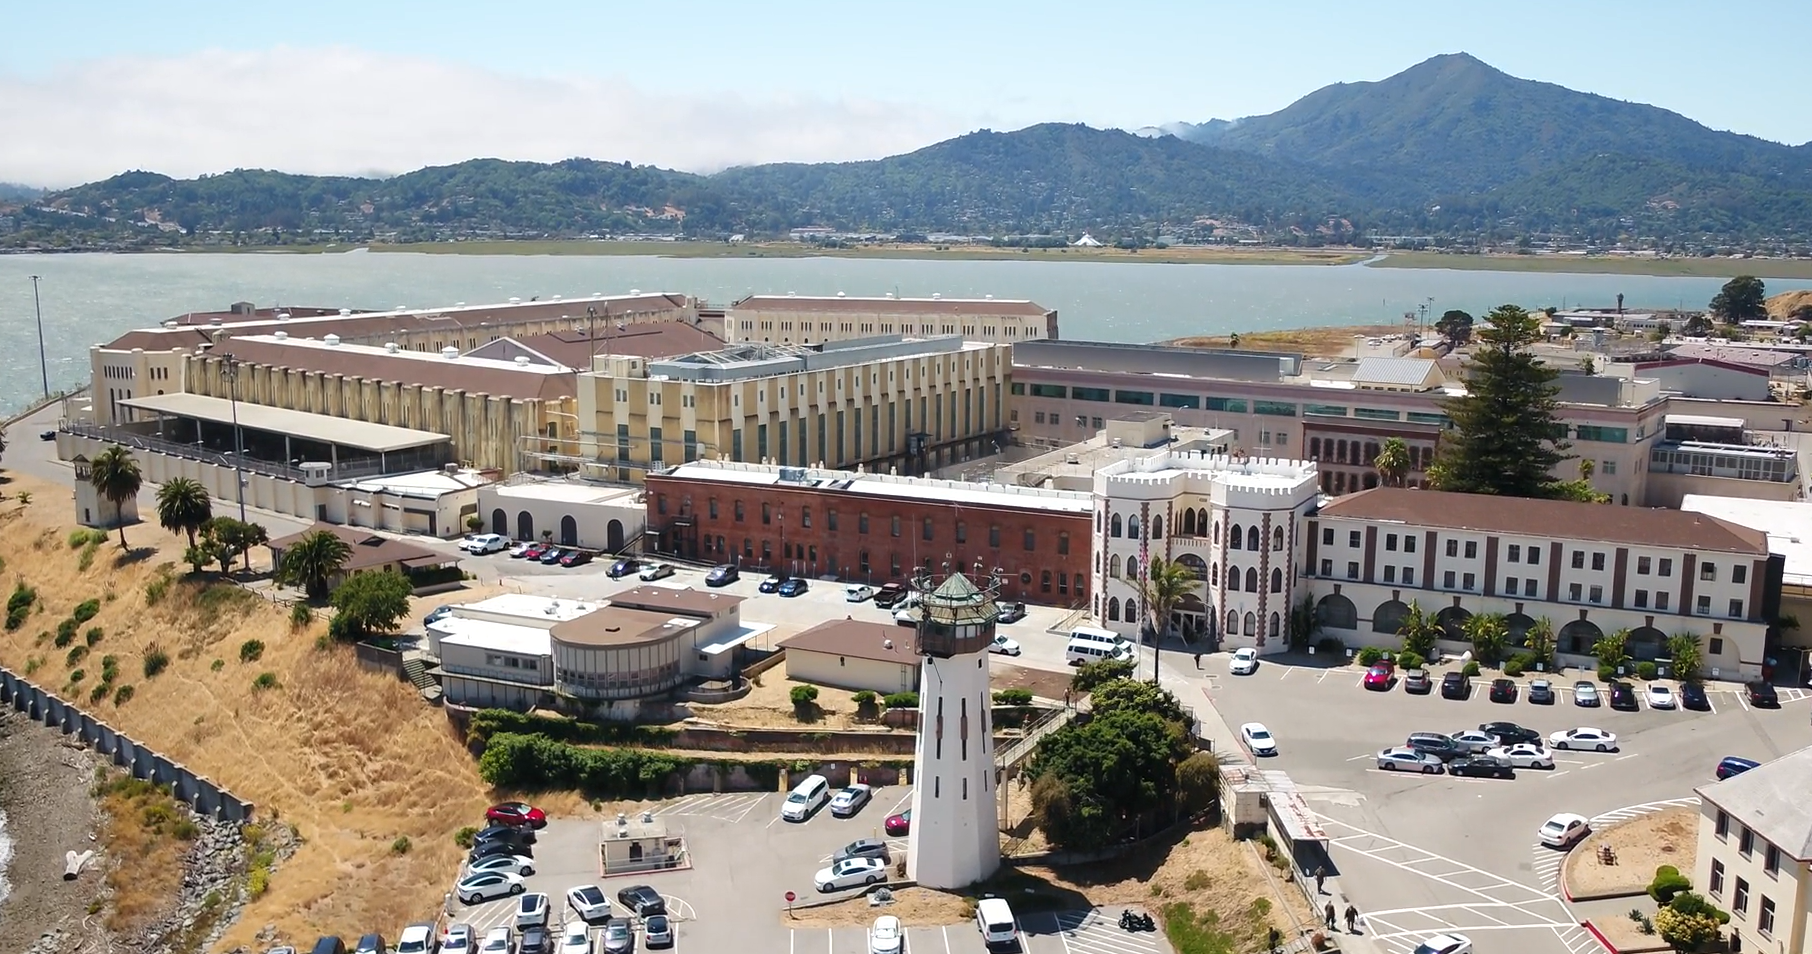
(1783, 305)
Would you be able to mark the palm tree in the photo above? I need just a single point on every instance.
(114, 473)
(1163, 588)
(313, 561)
(1419, 631)
(1688, 658)
(1488, 633)
(1392, 462)
(184, 505)
(1540, 641)
(1612, 650)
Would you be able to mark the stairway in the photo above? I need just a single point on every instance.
(415, 669)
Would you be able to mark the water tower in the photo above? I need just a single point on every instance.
(954, 839)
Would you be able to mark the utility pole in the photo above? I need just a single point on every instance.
(43, 368)
(231, 372)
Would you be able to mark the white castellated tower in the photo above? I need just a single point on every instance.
(954, 839)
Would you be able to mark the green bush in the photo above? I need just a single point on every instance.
(122, 695)
(490, 722)
(1688, 902)
(1514, 667)
(94, 635)
(156, 590)
(464, 837)
(217, 665)
(868, 704)
(1645, 671)
(1411, 660)
(901, 700)
(78, 676)
(300, 616)
(99, 692)
(1607, 673)
(86, 610)
(156, 660)
(66, 632)
(19, 604)
(75, 655)
(401, 845)
(1369, 655)
(1667, 883)
(185, 830)
(805, 700)
(534, 763)
(265, 680)
(1013, 697)
(1471, 668)
(251, 650)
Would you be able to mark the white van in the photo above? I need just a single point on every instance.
(805, 798)
(1090, 644)
(994, 918)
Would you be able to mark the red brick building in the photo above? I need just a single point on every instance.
(872, 528)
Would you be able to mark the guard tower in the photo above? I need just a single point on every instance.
(954, 839)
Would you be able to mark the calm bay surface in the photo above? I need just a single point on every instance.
(89, 299)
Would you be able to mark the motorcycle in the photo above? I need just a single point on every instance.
(1131, 920)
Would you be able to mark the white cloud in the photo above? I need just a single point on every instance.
(348, 111)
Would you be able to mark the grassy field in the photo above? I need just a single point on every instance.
(1321, 342)
(1170, 256)
(1601, 265)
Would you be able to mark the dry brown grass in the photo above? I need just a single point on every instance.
(1641, 844)
(352, 759)
(1320, 342)
(1782, 306)
(139, 831)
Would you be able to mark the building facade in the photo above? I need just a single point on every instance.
(1755, 853)
(1589, 569)
(872, 528)
(1234, 521)
(793, 319)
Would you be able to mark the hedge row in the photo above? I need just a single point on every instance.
(489, 723)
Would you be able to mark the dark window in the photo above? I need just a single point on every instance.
(861, 523)
(1739, 901)
(1534, 556)
(1716, 645)
(1739, 574)
(1578, 559)
(1031, 540)
(962, 532)
(1447, 580)
(1513, 553)
(1643, 565)
(1597, 561)
(767, 513)
(1352, 569)
(1765, 921)
(1666, 567)
(1746, 841)
(1327, 536)
(1352, 539)
(831, 516)
(1327, 568)
(738, 511)
(805, 516)
(1390, 541)
(1708, 572)
(1453, 548)
(1472, 549)
(1063, 542)
(1409, 543)
(896, 526)
(926, 533)
(1771, 860)
(1717, 878)
(994, 535)
(713, 506)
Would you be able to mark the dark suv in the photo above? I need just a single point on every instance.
(1510, 733)
(1456, 685)
(1435, 744)
(1762, 694)
(1623, 696)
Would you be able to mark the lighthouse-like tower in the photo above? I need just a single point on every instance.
(954, 839)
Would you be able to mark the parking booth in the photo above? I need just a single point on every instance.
(631, 846)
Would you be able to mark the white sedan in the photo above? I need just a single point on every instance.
(1523, 755)
(851, 873)
(1475, 741)
(490, 884)
(1563, 830)
(458, 940)
(576, 938)
(589, 903)
(858, 593)
(850, 800)
(1244, 661)
(656, 571)
(1660, 697)
(1258, 738)
(885, 937)
(1445, 944)
(1584, 737)
(1402, 758)
(514, 864)
(1004, 645)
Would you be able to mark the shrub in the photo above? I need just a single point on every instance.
(401, 845)
(1369, 655)
(1607, 673)
(265, 680)
(78, 676)
(94, 635)
(1471, 668)
(463, 837)
(1668, 882)
(1013, 697)
(1645, 671)
(156, 660)
(251, 650)
(217, 665)
(1685, 931)
(805, 700)
(86, 610)
(527, 762)
(258, 882)
(1411, 660)
(19, 604)
(868, 705)
(901, 700)
(301, 616)
(1688, 902)
(99, 692)
(110, 667)
(75, 655)
(66, 632)
(156, 590)
(1513, 667)
(185, 830)
(122, 695)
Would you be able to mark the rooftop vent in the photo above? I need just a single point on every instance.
(635, 291)
(392, 347)
(283, 316)
(215, 321)
(514, 300)
(936, 295)
(345, 311)
(553, 298)
(839, 294)
(792, 295)
(400, 308)
(459, 304)
(281, 335)
(988, 297)
(522, 360)
(449, 352)
(332, 341)
(890, 296)
(169, 323)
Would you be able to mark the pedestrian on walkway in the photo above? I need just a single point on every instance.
(1352, 919)
(1321, 874)
(1198, 659)
(1329, 912)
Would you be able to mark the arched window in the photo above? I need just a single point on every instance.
(1044, 581)
(1235, 539)
(1275, 623)
(1276, 581)
(1233, 578)
(1232, 622)
(1113, 609)
(1214, 575)
(1217, 533)
(1113, 566)
(1132, 568)
(1115, 526)
(1251, 579)
(1251, 624)
(1189, 523)
(1132, 526)
(1157, 528)
(1314, 448)
(1277, 538)
(1201, 519)
(1252, 538)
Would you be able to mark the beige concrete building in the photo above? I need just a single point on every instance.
(854, 654)
(796, 319)
(1755, 853)
(881, 402)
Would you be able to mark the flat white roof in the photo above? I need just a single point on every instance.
(501, 637)
(1787, 524)
(726, 641)
(315, 427)
(423, 483)
(885, 485)
(532, 607)
(565, 491)
(404, 354)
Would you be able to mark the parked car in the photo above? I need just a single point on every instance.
(1480, 766)
(851, 873)
(1623, 697)
(1762, 695)
(656, 571)
(459, 940)
(1563, 830)
(371, 944)
(1004, 645)
(534, 940)
(1660, 697)
(1584, 737)
(772, 583)
(521, 550)
(47, 435)
(1402, 758)
(516, 815)
(886, 936)
(554, 555)
(1585, 694)
(499, 940)
(487, 849)
(473, 889)
(1380, 677)
(1244, 661)
(858, 593)
(330, 944)
(588, 902)
(900, 824)
(1732, 765)
(793, 587)
(437, 614)
(576, 938)
(485, 543)
(1445, 944)
(1523, 755)
(889, 594)
(1258, 738)
(864, 848)
(514, 864)
(623, 568)
(1440, 746)
(1510, 733)
(513, 834)
(416, 939)
(907, 615)
(532, 910)
(1417, 682)
(850, 800)
(575, 558)
(1011, 612)
(1456, 685)
(1503, 690)
(618, 938)
(1692, 696)
(722, 575)
(642, 900)
(1474, 741)
(657, 931)
(1541, 692)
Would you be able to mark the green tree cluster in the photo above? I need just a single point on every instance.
(1093, 780)
(1742, 298)
(1507, 437)
(313, 561)
(538, 763)
(369, 604)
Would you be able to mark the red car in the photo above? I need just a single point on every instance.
(1380, 677)
(900, 824)
(517, 814)
(535, 552)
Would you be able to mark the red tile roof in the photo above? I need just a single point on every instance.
(1553, 519)
(897, 306)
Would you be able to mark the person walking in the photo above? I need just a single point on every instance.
(1321, 874)
(1352, 920)
(1329, 913)
(1198, 659)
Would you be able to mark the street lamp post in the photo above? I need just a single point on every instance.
(231, 372)
(38, 308)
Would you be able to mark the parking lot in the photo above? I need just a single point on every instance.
(1066, 932)
(1419, 854)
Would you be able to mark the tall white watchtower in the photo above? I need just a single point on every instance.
(955, 841)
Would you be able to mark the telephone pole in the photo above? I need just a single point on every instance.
(43, 368)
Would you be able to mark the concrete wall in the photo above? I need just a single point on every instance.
(1668, 490)
(197, 791)
(850, 672)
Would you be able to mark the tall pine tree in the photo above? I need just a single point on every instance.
(1504, 438)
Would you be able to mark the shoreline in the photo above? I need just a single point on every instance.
(46, 794)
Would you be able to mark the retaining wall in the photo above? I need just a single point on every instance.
(198, 791)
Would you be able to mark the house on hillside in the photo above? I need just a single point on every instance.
(373, 552)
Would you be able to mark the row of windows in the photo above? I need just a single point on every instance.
(927, 526)
(1739, 898)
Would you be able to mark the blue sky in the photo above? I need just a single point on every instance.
(344, 87)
